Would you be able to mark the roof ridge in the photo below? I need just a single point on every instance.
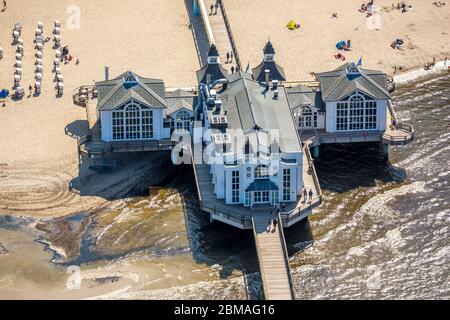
(154, 94)
(109, 95)
(335, 83)
(376, 84)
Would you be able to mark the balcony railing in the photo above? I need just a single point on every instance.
(81, 95)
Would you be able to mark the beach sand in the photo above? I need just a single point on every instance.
(425, 29)
(151, 38)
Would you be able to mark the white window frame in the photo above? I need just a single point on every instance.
(357, 113)
(235, 186)
(287, 184)
(132, 122)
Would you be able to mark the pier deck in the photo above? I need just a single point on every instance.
(272, 257)
(218, 32)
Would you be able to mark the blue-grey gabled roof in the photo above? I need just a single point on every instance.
(113, 93)
(301, 95)
(180, 99)
(338, 83)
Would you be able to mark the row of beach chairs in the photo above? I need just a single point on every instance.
(39, 44)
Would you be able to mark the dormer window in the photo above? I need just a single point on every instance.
(213, 60)
(269, 57)
(130, 79)
(352, 69)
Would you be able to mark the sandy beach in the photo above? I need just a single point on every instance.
(310, 48)
(37, 156)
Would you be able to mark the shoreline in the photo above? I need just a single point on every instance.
(416, 74)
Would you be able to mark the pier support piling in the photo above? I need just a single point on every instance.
(385, 150)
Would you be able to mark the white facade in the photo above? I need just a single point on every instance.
(132, 121)
(356, 119)
(367, 114)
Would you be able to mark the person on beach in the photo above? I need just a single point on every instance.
(228, 57)
(232, 69)
(30, 89)
(4, 6)
(445, 61)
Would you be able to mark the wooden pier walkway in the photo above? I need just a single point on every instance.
(272, 257)
(218, 31)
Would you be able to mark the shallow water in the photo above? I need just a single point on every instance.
(382, 232)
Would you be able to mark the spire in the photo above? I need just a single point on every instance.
(213, 51)
(268, 49)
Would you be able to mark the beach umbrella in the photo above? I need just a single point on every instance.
(341, 44)
(4, 93)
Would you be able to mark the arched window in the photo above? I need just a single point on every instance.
(261, 172)
(183, 120)
(356, 112)
(132, 122)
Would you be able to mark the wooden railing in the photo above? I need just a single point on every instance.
(79, 98)
(228, 214)
(401, 126)
(230, 35)
(286, 256)
(258, 253)
(405, 127)
(206, 24)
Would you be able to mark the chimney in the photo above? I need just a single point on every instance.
(275, 93)
(218, 103)
(106, 73)
(267, 71)
(274, 84)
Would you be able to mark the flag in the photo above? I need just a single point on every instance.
(359, 64)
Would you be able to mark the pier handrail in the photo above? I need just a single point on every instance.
(286, 256)
(206, 23)
(226, 212)
(392, 111)
(313, 173)
(76, 94)
(230, 35)
(402, 126)
(258, 253)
